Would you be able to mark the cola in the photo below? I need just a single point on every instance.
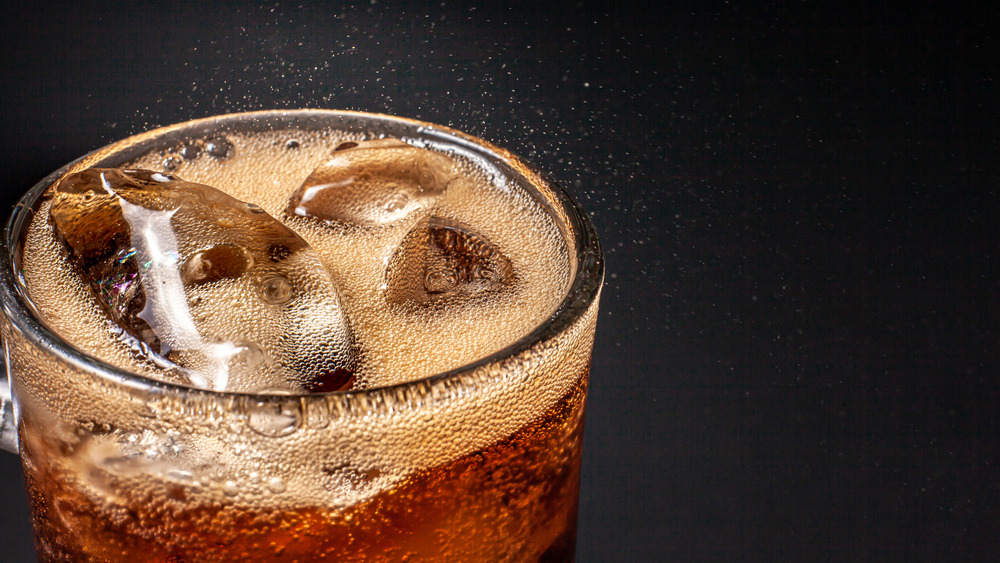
(331, 343)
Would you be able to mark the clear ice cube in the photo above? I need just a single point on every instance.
(373, 183)
(212, 288)
(441, 259)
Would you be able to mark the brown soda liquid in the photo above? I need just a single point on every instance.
(491, 473)
(513, 501)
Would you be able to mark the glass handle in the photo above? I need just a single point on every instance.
(8, 431)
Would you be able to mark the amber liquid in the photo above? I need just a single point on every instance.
(513, 501)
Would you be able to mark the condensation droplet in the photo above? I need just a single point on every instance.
(275, 289)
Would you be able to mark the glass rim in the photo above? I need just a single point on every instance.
(581, 293)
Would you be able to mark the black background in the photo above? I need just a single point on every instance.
(797, 353)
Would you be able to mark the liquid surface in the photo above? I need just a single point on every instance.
(431, 262)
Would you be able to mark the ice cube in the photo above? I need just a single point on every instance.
(204, 284)
(444, 259)
(373, 183)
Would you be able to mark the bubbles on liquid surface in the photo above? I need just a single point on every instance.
(373, 183)
(171, 162)
(274, 419)
(275, 289)
(218, 147)
(215, 289)
(190, 151)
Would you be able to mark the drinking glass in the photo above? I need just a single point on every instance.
(478, 463)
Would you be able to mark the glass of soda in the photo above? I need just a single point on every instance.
(299, 336)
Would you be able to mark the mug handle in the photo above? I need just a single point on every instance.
(8, 430)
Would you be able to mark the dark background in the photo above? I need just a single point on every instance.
(797, 353)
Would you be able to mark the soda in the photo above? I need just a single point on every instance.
(313, 336)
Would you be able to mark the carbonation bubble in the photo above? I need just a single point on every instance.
(276, 290)
(219, 147)
(274, 418)
(276, 485)
(190, 151)
(219, 262)
(171, 162)
(292, 144)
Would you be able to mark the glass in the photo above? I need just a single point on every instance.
(477, 463)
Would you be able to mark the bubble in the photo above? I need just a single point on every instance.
(274, 419)
(222, 261)
(247, 358)
(292, 144)
(219, 147)
(440, 281)
(275, 289)
(190, 151)
(230, 488)
(276, 485)
(171, 162)
(396, 202)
